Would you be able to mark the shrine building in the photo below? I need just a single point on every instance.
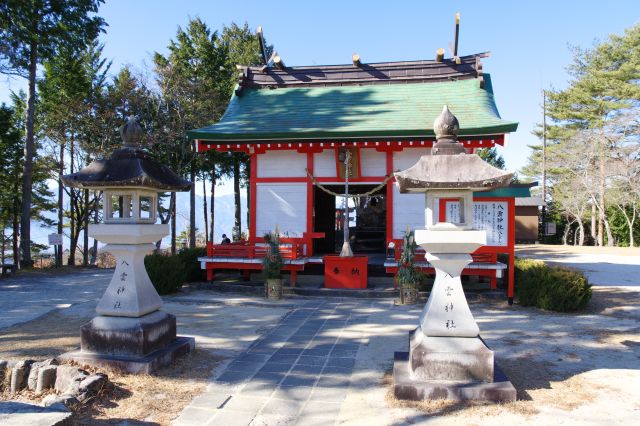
(295, 123)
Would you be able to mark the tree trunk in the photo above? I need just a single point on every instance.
(73, 246)
(29, 151)
(96, 219)
(60, 203)
(71, 260)
(212, 205)
(85, 233)
(607, 227)
(602, 206)
(237, 229)
(205, 212)
(581, 228)
(565, 235)
(172, 209)
(192, 208)
(631, 225)
(594, 232)
(4, 225)
(630, 222)
(16, 233)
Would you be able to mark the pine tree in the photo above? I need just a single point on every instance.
(32, 31)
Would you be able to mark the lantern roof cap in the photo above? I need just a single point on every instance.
(128, 167)
(451, 172)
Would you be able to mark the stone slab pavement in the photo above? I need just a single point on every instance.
(30, 295)
(299, 372)
(20, 414)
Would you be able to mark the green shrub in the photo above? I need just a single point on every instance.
(272, 263)
(189, 258)
(167, 273)
(550, 287)
(408, 274)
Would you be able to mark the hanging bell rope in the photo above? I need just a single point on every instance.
(355, 196)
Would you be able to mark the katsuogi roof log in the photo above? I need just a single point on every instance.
(128, 167)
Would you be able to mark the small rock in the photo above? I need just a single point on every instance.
(46, 378)
(93, 383)
(68, 379)
(19, 375)
(48, 400)
(90, 386)
(52, 400)
(32, 382)
(3, 372)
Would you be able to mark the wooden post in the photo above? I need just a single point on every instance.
(356, 60)
(440, 54)
(263, 49)
(279, 63)
(455, 40)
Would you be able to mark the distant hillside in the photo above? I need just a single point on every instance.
(224, 220)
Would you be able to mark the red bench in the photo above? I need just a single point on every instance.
(247, 256)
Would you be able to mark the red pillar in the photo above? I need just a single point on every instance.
(389, 197)
(512, 243)
(309, 242)
(253, 174)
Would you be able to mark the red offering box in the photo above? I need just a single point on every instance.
(345, 272)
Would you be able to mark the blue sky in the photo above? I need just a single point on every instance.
(528, 40)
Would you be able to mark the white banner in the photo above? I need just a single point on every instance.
(55, 239)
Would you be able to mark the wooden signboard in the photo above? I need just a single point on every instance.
(490, 216)
(496, 215)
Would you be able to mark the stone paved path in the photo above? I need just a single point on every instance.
(28, 296)
(298, 373)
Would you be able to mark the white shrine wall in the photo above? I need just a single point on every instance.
(408, 209)
(282, 164)
(324, 163)
(372, 162)
(283, 205)
(408, 157)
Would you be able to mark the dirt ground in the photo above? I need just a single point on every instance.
(141, 399)
(573, 368)
(560, 249)
(153, 399)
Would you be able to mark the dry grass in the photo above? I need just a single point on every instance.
(536, 384)
(442, 407)
(157, 398)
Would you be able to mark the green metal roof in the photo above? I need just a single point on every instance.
(335, 112)
(508, 191)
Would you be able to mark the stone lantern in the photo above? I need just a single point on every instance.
(130, 331)
(447, 358)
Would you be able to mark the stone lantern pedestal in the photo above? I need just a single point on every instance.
(447, 359)
(130, 333)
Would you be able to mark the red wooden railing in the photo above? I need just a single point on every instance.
(420, 254)
(292, 250)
